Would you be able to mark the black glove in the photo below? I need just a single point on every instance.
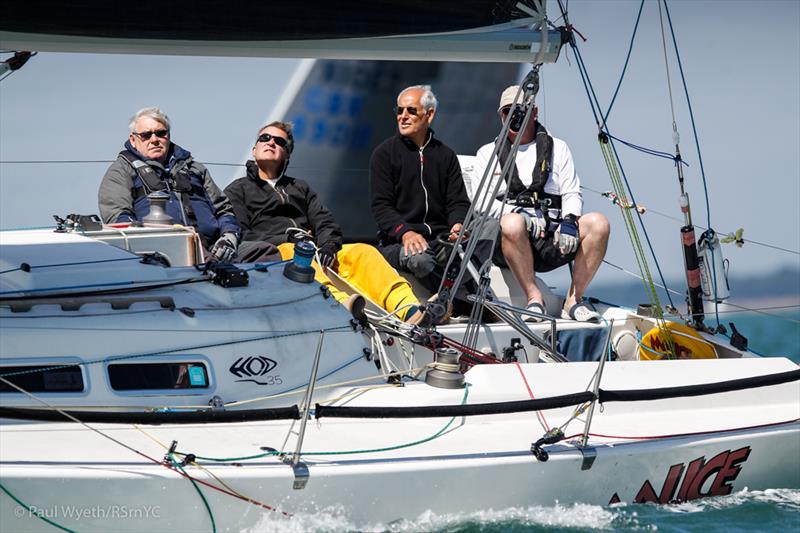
(327, 255)
(567, 236)
(224, 249)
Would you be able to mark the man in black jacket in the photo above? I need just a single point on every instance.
(267, 203)
(417, 194)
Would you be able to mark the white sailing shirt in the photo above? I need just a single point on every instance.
(563, 180)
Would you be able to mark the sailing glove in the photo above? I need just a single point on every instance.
(535, 222)
(224, 249)
(567, 236)
(327, 255)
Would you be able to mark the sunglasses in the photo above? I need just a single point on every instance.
(145, 135)
(266, 137)
(413, 111)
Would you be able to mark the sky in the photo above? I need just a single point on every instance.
(742, 65)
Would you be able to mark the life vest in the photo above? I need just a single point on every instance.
(549, 203)
(179, 182)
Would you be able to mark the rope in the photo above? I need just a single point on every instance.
(633, 235)
(31, 508)
(178, 466)
(343, 452)
(129, 286)
(651, 151)
(539, 414)
(98, 261)
(134, 450)
(119, 312)
(595, 106)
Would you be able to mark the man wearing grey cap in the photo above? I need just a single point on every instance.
(544, 227)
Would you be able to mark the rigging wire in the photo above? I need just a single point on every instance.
(759, 310)
(676, 219)
(650, 151)
(625, 66)
(691, 113)
(595, 108)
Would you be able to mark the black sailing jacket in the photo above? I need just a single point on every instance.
(265, 212)
(416, 189)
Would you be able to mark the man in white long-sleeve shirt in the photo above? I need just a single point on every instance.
(543, 227)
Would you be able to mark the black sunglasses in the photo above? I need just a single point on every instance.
(145, 135)
(267, 137)
(413, 111)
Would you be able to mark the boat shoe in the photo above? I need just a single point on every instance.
(582, 311)
(418, 316)
(534, 307)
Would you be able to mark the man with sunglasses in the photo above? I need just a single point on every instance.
(280, 209)
(544, 228)
(150, 163)
(418, 198)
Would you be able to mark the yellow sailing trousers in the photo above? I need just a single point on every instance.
(364, 267)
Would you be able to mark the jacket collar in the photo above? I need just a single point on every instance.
(175, 155)
(411, 145)
(252, 174)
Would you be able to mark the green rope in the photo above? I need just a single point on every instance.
(205, 502)
(346, 452)
(29, 510)
(638, 249)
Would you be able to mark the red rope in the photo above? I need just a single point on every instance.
(530, 393)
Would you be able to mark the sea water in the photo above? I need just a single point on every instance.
(769, 510)
(745, 511)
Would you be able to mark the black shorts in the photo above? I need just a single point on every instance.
(546, 255)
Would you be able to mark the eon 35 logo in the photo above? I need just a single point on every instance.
(254, 368)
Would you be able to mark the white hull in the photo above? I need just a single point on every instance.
(724, 442)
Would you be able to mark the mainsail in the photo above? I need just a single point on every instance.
(501, 31)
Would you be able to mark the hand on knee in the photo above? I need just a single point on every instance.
(418, 264)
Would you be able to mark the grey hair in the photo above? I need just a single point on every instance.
(428, 99)
(149, 112)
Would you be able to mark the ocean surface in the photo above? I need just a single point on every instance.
(744, 511)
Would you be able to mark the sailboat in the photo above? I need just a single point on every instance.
(142, 392)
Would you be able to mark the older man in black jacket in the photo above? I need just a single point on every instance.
(418, 197)
(267, 203)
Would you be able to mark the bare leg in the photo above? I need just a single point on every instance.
(594, 231)
(517, 252)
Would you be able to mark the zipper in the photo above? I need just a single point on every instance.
(422, 182)
(284, 198)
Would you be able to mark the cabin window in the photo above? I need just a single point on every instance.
(151, 376)
(42, 378)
